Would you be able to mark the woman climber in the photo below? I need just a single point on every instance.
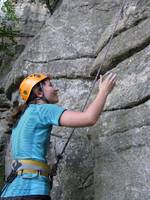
(32, 125)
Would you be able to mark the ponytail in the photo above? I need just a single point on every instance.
(15, 115)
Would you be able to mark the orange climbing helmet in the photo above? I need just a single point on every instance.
(28, 83)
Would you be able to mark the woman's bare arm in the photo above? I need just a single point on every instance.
(90, 116)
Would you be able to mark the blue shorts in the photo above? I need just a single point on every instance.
(27, 185)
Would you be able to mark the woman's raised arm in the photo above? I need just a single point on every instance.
(90, 116)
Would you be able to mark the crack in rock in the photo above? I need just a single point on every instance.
(130, 105)
(126, 49)
(61, 58)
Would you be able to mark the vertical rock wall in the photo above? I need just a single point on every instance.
(122, 135)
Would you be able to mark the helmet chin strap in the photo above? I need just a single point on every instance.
(42, 98)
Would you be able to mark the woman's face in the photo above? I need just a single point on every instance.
(50, 92)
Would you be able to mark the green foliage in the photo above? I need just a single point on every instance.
(8, 22)
(9, 10)
(7, 31)
(7, 40)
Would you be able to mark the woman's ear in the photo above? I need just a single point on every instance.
(38, 93)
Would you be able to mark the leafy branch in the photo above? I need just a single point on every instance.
(9, 10)
(7, 32)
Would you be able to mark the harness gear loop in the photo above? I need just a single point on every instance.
(34, 164)
(11, 176)
(32, 171)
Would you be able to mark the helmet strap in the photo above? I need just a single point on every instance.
(42, 98)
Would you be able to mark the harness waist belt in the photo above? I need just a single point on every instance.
(32, 171)
(36, 163)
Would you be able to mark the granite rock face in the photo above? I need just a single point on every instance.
(109, 161)
(121, 154)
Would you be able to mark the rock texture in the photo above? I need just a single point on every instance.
(109, 161)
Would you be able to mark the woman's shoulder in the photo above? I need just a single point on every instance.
(44, 106)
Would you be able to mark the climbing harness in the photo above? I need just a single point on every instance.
(20, 167)
(33, 167)
(11, 176)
